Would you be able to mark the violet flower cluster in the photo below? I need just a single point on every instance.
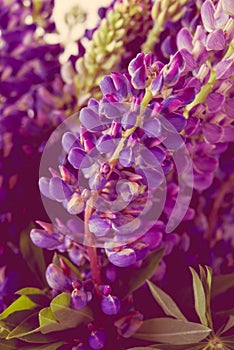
(142, 185)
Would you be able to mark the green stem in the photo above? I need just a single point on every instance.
(144, 103)
(204, 92)
(206, 89)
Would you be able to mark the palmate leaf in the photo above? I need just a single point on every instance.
(206, 279)
(199, 297)
(229, 325)
(170, 331)
(26, 327)
(199, 346)
(144, 348)
(48, 322)
(60, 316)
(36, 295)
(8, 344)
(52, 346)
(166, 302)
(29, 331)
(172, 347)
(221, 284)
(23, 303)
(227, 312)
(137, 277)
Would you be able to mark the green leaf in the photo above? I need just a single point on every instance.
(3, 333)
(36, 295)
(229, 325)
(8, 344)
(29, 331)
(53, 346)
(60, 307)
(206, 278)
(30, 291)
(22, 303)
(143, 348)
(137, 277)
(225, 312)
(167, 330)
(14, 319)
(221, 284)
(48, 322)
(33, 256)
(166, 302)
(199, 297)
(181, 347)
(27, 326)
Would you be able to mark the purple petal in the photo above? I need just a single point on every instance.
(207, 15)
(186, 95)
(99, 226)
(90, 120)
(111, 110)
(153, 238)
(141, 250)
(76, 204)
(69, 140)
(126, 158)
(76, 255)
(172, 75)
(43, 239)
(110, 305)
(107, 86)
(224, 69)
(150, 154)
(129, 120)
(228, 6)
(129, 324)
(139, 78)
(202, 181)
(56, 279)
(121, 83)
(97, 181)
(97, 340)
(79, 299)
(78, 158)
(216, 40)
(157, 84)
(189, 60)
(215, 102)
(205, 163)
(44, 186)
(228, 133)
(212, 132)
(151, 177)
(123, 258)
(229, 107)
(184, 40)
(136, 63)
(152, 127)
(59, 189)
(105, 144)
(192, 124)
(178, 121)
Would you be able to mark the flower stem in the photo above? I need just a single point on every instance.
(144, 103)
(92, 251)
